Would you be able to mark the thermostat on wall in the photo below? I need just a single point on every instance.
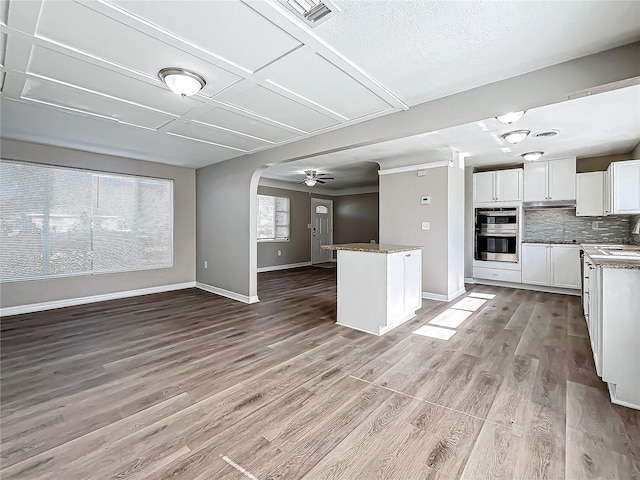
(425, 200)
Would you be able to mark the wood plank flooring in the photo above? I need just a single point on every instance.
(190, 385)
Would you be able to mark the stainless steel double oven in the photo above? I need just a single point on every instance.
(497, 234)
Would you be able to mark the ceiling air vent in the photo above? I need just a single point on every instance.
(312, 12)
(547, 134)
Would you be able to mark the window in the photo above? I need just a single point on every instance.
(273, 219)
(322, 209)
(58, 221)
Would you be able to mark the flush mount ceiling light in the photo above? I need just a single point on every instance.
(181, 81)
(516, 136)
(510, 117)
(532, 156)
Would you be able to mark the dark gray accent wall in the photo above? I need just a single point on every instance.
(560, 225)
(356, 218)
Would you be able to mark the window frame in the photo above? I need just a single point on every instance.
(275, 239)
(171, 264)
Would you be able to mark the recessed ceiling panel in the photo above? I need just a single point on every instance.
(57, 66)
(244, 124)
(105, 38)
(273, 106)
(229, 29)
(219, 137)
(308, 74)
(71, 98)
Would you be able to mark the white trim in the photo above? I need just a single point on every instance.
(227, 293)
(526, 286)
(70, 302)
(413, 168)
(443, 298)
(274, 268)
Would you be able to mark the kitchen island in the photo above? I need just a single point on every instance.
(379, 286)
(611, 296)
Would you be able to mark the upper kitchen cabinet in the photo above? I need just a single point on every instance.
(498, 186)
(553, 180)
(590, 194)
(622, 188)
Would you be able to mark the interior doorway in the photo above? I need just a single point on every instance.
(321, 229)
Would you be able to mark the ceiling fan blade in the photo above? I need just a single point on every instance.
(301, 182)
(320, 181)
(326, 178)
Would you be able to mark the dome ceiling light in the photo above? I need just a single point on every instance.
(515, 136)
(510, 117)
(181, 81)
(532, 156)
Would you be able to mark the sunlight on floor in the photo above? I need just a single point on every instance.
(487, 296)
(453, 316)
(435, 332)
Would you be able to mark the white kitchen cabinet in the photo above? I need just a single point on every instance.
(565, 266)
(614, 330)
(377, 291)
(498, 186)
(553, 180)
(590, 194)
(622, 188)
(535, 263)
(551, 265)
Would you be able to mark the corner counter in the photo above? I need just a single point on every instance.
(379, 286)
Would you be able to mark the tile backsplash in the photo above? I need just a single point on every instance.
(634, 225)
(562, 225)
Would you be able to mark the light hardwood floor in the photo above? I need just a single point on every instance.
(190, 385)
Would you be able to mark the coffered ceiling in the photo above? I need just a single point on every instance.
(268, 80)
(84, 74)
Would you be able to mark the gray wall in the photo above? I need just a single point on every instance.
(226, 191)
(355, 219)
(36, 291)
(401, 215)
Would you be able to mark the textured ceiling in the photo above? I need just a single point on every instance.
(423, 50)
(603, 124)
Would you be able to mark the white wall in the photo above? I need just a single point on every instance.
(28, 292)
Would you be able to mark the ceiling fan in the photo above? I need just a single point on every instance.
(312, 177)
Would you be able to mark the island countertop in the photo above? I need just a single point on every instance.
(371, 247)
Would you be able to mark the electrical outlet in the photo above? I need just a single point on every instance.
(422, 173)
(205, 264)
(594, 225)
(426, 225)
(279, 253)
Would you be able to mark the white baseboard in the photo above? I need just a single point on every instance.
(525, 286)
(274, 268)
(39, 307)
(443, 298)
(227, 293)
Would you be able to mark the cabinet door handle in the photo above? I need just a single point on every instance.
(408, 255)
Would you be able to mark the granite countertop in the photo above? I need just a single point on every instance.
(371, 247)
(573, 242)
(592, 250)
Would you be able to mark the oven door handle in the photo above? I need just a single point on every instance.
(497, 234)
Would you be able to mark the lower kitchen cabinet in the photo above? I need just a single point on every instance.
(612, 316)
(551, 265)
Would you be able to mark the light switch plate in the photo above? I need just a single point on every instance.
(426, 225)
(425, 200)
